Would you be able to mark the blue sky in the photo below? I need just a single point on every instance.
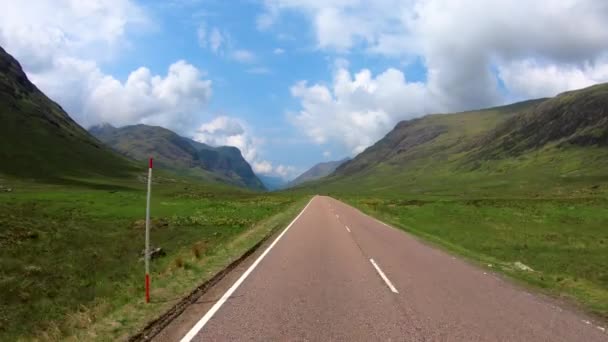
(295, 82)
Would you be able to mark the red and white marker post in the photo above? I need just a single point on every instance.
(147, 256)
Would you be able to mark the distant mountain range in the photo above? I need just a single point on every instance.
(180, 154)
(273, 183)
(318, 171)
(40, 140)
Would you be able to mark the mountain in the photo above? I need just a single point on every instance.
(320, 170)
(171, 151)
(535, 146)
(39, 139)
(272, 182)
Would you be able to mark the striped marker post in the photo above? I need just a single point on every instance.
(147, 256)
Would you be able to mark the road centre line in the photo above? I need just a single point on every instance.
(383, 276)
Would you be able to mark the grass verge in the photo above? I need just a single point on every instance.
(70, 255)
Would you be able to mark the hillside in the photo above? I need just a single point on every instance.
(39, 139)
(171, 151)
(546, 145)
(318, 171)
(524, 184)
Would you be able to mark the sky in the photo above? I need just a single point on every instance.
(295, 82)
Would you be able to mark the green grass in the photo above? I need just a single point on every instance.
(70, 253)
(565, 241)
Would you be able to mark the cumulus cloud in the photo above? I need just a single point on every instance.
(92, 97)
(473, 52)
(81, 29)
(358, 109)
(60, 53)
(529, 78)
(278, 51)
(286, 172)
(228, 131)
(262, 167)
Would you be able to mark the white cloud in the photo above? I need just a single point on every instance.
(262, 167)
(466, 47)
(60, 54)
(358, 109)
(225, 130)
(278, 51)
(213, 40)
(228, 131)
(243, 56)
(286, 172)
(326, 154)
(40, 31)
(216, 39)
(92, 97)
(530, 79)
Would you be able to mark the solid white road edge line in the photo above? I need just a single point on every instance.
(201, 323)
(347, 228)
(383, 276)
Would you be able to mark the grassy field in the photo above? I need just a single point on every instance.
(70, 260)
(565, 241)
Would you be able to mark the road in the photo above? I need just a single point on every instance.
(336, 274)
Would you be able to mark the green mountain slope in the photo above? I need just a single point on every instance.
(539, 146)
(171, 151)
(318, 171)
(38, 138)
(525, 183)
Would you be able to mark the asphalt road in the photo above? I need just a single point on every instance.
(338, 275)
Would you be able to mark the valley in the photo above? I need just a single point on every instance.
(519, 191)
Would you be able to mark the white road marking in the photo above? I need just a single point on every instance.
(383, 276)
(602, 329)
(347, 228)
(201, 323)
(586, 322)
(337, 216)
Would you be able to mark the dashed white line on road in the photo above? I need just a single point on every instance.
(337, 216)
(383, 276)
(347, 228)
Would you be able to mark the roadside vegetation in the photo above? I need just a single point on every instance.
(71, 252)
